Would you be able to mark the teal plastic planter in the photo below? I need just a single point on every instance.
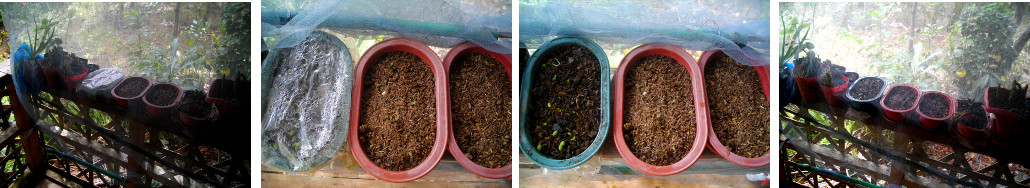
(602, 132)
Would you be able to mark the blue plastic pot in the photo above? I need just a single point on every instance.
(602, 132)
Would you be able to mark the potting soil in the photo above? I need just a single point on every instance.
(900, 99)
(739, 109)
(481, 109)
(866, 89)
(131, 88)
(659, 122)
(161, 95)
(564, 106)
(308, 104)
(934, 105)
(398, 111)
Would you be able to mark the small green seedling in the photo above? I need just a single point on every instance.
(649, 66)
(555, 77)
(561, 145)
(674, 149)
(569, 133)
(539, 147)
(548, 105)
(545, 123)
(554, 133)
(573, 138)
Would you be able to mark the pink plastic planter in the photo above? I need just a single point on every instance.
(160, 112)
(124, 101)
(442, 121)
(930, 123)
(899, 114)
(452, 144)
(1006, 129)
(700, 105)
(713, 139)
(73, 81)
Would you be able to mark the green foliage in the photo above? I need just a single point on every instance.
(809, 66)
(792, 41)
(1014, 100)
(827, 79)
(234, 56)
(984, 53)
(43, 37)
(186, 69)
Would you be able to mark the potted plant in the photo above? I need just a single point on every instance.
(899, 102)
(807, 71)
(738, 106)
(562, 70)
(480, 109)
(160, 98)
(128, 92)
(865, 93)
(1007, 105)
(73, 70)
(793, 42)
(194, 111)
(974, 125)
(832, 85)
(399, 127)
(43, 40)
(659, 126)
(935, 108)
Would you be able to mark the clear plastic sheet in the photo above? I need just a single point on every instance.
(307, 109)
(740, 28)
(440, 23)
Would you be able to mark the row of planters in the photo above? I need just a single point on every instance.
(999, 119)
(64, 72)
(668, 107)
(406, 108)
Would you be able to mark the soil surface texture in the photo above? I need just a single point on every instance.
(131, 88)
(900, 99)
(934, 105)
(481, 109)
(397, 123)
(659, 123)
(739, 109)
(565, 102)
(161, 95)
(866, 89)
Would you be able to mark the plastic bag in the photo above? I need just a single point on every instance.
(98, 84)
(441, 23)
(737, 27)
(307, 107)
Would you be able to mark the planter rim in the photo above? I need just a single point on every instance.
(883, 89)
(713, 139)
(176, 100)
(605, 106)
(116, 86)
(951, 106)
(442, 121)
(986, 129)
(452, 144)
(700, 105)
(914, 104)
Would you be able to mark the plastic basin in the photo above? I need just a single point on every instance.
(931, 123)
(713, 140)
(161, 111)
(867, 105)
(899, 114)
(124, 101)
(452, 144)
(605, 105)
(700, 105)
(442, 121)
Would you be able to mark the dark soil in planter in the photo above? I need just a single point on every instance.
(740, 111)
(565, 102)
(659, 124)
(900, 99)
(837, 81)
(866, 89)
(935, 106)
(201, 109)
(397, 123)
(161, 95)
(131, 88)
(481, 109)
(977, 118)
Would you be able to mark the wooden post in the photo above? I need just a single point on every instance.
(34, 157)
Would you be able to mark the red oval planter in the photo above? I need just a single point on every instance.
(73, 81)
(225, 108)
(443, 122)
(1006, 129)
(124, 101)
(700, 105)
(809, 87)
(899, 114)
(452, 144)
(156, 111)
(832, 94)
(973, 134)
(713, 140)
(930, 123)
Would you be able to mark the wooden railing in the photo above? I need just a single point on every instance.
(95, 143)
(866, 147)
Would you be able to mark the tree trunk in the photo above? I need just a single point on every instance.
(178, 8)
